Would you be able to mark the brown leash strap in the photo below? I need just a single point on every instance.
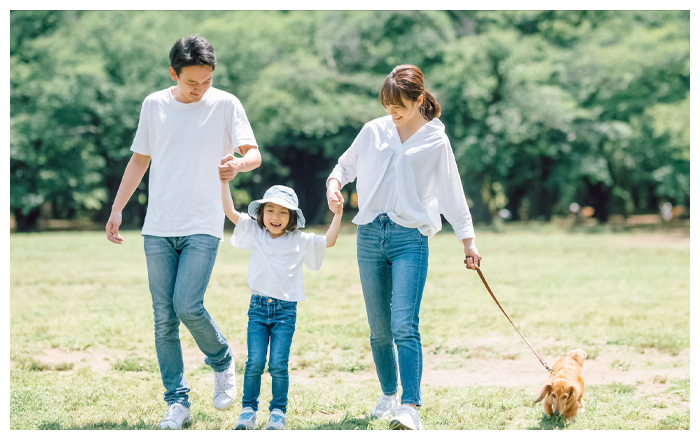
(544, 364)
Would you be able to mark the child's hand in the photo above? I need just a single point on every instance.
(337, 208)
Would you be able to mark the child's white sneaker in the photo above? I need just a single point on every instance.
(225, 387)
(247, 419)
(278, 419)
(176, 416)
(385, 406)
(405, 417)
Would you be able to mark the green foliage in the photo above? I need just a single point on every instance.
(543, 108)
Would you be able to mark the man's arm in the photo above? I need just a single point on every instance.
(230, 165)
(133, 174)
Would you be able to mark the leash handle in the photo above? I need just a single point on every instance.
(544, 364)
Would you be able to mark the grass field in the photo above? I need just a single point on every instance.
(82, 355)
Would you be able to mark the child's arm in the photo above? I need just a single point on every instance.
(334, 228)
(227, 200)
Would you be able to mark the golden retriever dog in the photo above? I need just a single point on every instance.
(563, 392)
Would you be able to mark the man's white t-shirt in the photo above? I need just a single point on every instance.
(275, 267)
(186, 143)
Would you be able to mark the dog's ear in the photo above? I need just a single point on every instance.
(578, 356)
(545, 391)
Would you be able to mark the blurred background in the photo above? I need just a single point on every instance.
(574, 116)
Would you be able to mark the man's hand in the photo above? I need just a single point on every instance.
(112, 228)
(229, 167)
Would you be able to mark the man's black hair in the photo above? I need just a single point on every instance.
(192, 51)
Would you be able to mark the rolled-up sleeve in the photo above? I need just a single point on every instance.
(451, 199)
(345, 170)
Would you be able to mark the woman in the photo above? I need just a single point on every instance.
(406, 177)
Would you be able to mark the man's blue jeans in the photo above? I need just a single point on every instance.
(393, 263)
(178, 273)
(270, 321)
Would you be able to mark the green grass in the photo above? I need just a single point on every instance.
(78, 294)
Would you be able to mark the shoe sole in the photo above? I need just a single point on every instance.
(399, 426)
(184, 422)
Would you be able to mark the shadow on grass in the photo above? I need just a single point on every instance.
(96, 426)
(550, 423)
(347, 423)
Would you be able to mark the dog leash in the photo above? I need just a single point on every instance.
(544, 364)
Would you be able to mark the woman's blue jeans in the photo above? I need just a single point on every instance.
(393, 263)
(270, 322)
(178, 273)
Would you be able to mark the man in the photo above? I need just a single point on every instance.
(183, 133)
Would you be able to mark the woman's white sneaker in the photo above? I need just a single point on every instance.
(405, 417)
(176, 416)
(385, 406)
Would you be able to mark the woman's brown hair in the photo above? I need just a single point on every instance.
(406, 81)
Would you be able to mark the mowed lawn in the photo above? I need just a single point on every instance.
(82, 353)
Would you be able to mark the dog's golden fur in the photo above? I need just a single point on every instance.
(563, 392)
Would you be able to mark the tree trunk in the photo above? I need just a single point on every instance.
(27, 222)
(599, 198)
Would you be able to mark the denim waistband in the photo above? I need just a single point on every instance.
(259, 299)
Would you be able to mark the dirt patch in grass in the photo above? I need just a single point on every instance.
(651, 372)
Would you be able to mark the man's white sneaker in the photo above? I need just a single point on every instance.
(225, 387)
(405, 417)
(385, 406)
(278, 419)
(247, 419)
(176, 416)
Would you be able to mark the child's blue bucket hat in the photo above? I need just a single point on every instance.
(280, 195)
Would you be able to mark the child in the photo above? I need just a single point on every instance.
(275, 279)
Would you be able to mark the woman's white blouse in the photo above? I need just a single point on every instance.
(413, 183)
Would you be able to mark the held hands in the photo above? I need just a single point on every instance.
(335, 200)
(112, 227)
(229, 167)
(472, 258)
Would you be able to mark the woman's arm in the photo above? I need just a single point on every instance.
(227, 200)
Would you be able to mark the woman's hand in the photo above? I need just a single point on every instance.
(334, 197)
(472, 257)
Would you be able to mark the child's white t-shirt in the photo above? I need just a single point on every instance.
(186, 143)
(275, 263)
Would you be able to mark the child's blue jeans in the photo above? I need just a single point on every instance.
(270, 322)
